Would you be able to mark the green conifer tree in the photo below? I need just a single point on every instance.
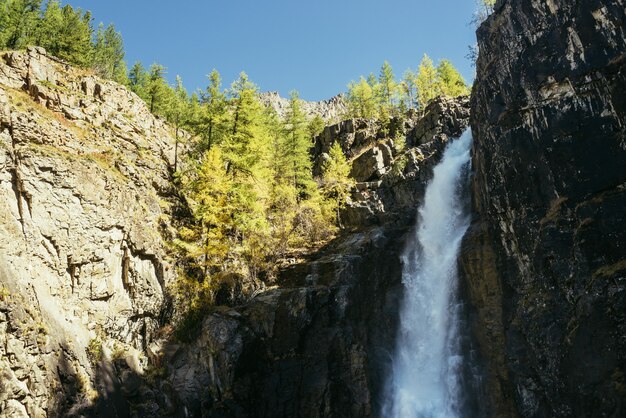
(295, 158)
(138, 80)
(387, 90)
(66, 33)
(450, 80)
(427, 81)
(178, 113)
(408, 87)
(18, 23)
(336, 180)
(108, 52)
(213, 118)
(361, 99)
(157, 89)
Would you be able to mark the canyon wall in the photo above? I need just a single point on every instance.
(87, 207)
(84, 205)
(545, 260)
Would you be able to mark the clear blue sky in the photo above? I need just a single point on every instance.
(313, 46)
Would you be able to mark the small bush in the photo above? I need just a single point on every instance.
(94, 350)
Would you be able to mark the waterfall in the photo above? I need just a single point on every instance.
(425, 378)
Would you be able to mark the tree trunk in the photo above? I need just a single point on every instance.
(176, 151)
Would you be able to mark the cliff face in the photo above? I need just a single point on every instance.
(544, 262)
(84, 180)
(390, 180)
(319, 344)
(86, 204)
(329, 110)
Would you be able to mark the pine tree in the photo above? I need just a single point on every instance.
(213, 118)
(18, 23)
(178, 113)
(295, 159)
(108, 54)
(208, 188)
(451, 81)
(138, 80)
(361, 99)
(121, 74)
(240, 143)
(387, 88)
(316, 126)
(66, 33)
(408, 87)
(246, 152)
(427, 82)
(156, 89)
(336, 180)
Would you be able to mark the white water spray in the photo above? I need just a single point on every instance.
(425, 379)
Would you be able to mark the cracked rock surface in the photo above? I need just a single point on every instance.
(545, 260)
(84, 184)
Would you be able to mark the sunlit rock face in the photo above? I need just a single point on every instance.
(545, 260)
(84, 185)
(86, 205)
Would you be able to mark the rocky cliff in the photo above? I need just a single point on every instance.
(84, 186)
(86, 211)
(545, 262)
(319, 344)
(330, 110)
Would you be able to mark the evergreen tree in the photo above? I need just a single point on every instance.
(295, 159)
(336, 180)
(178, 113)
(66, 33)
(241, 143)
(361, 99)
(408, 87)
(387, 88)
(108, 54)
(18, 22)
(427, 82)
(208, 190)
(373, 83)
(246, 152)
(138, 80)
(120, 74)
(213, 119)
(451, 81)
(157, 89)
(316, 126)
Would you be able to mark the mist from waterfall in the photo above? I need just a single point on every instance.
(425, 380)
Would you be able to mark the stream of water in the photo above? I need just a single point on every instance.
(425, 380)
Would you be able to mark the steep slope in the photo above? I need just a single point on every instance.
(545, 259)
(84, 185)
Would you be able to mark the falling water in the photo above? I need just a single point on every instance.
(425, 376)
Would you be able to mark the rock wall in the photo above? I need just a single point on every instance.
(320, 343)
(391, 181)
(85, 210)
(330, 110)
(84, 186)
(545, 262)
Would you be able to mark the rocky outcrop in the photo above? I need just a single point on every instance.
(329, 110)
(544, 262)
(318, 344)
(84, 200)
(391, 178)
(86, 210)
